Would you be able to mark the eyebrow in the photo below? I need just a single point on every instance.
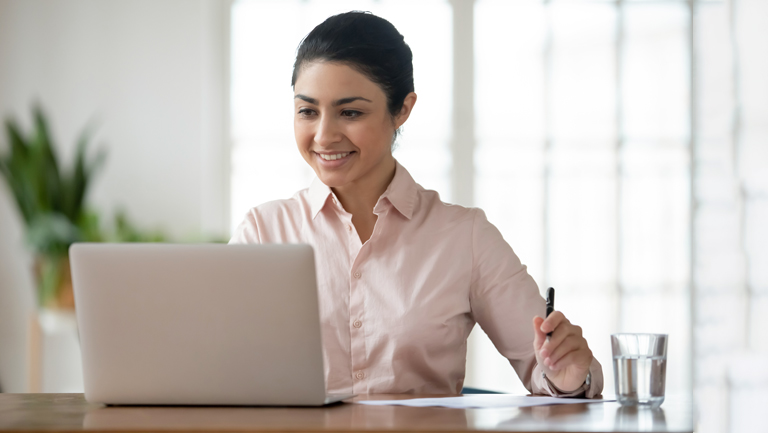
(336, 103)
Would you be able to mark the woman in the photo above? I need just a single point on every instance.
(402, 276)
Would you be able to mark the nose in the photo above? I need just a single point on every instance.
(327, 131)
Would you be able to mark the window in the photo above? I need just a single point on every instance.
(582, 162)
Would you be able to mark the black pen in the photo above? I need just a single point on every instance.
(550, 305)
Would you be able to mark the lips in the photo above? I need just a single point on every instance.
(333, 156)
(334, 159)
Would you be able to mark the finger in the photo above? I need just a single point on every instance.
(553, 321)
(539, 337)
(558, 336)
(578, 358)
(570, 344)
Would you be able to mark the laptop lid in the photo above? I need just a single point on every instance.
(198, 324)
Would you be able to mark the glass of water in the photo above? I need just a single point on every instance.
(639, 368)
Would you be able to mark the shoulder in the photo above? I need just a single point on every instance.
(260, 221)
(283, 207)
(431, 206)
(458, 221)
(280, 209)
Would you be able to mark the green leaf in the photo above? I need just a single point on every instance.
(126, 231)
(52, 233)
(17, 172)
(90, 227)
(19, 148)
(51, 200)
(49, 192)
(49, 277)
(83, 170)
(78, 182)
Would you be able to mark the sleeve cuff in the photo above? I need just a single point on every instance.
(557, 392)
(592, 388)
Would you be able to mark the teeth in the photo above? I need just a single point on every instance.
(333, 157)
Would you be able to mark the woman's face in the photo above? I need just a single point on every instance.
(342, 126)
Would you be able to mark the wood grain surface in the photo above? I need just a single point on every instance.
(70, 412)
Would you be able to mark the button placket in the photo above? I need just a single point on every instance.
(358, 351)
(358, 287)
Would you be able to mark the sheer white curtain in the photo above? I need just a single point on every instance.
(634, 163)
(729, 231)
(582, 161)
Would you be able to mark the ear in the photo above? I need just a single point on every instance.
(405, 112)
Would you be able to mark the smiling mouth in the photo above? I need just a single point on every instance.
(334, 156)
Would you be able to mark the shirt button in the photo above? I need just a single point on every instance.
(360, 375)
(357, 324)
(349, 227)
(357, 275)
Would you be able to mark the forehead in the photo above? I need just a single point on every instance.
(326, 81)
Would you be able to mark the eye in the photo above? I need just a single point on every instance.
(306, 112)
(351, 114)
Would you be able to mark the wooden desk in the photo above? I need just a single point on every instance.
(70, 412)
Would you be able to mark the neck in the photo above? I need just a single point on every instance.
(360, 197)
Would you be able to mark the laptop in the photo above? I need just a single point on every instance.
(164, 324)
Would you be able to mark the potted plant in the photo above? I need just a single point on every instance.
(52, 203)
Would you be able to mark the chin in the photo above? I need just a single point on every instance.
(332, 180)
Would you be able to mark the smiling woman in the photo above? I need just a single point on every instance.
(403, 277)
(327, 127)
(347, 140)
(353, 84)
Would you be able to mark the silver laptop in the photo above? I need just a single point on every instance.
(168, 324)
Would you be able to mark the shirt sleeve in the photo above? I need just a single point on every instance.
(504, 299)
(247, 232)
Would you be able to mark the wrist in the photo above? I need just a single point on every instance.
(582, 389)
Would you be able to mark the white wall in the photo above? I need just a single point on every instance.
(153, 76)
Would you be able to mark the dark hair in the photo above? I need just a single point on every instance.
(367, 43)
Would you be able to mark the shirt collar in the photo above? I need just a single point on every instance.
(318, 196)
(401, 193)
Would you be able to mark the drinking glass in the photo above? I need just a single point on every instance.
(639, 368)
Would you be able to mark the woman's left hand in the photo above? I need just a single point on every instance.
(566, 357)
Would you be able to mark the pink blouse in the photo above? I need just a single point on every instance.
(396, 311)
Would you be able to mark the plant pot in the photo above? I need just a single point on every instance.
(54, 282)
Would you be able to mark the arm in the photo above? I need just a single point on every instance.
(247, 232)
(566, 358)
(505, 299)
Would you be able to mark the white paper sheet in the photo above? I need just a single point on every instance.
(482, 401)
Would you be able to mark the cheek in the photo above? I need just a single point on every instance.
(302, 134)
(371, 134)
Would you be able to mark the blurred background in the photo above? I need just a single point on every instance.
(620, 146)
